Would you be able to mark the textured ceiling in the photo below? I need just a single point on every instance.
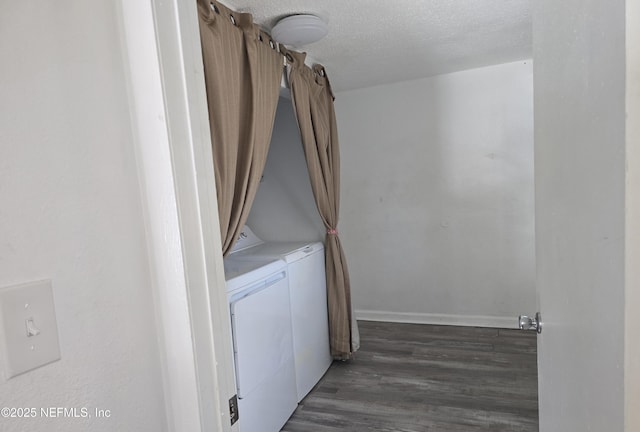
(374, 42)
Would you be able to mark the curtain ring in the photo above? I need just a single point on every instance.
(260, 37)
(289, 57)
(272, 44)
(214, 7)
(233, 20)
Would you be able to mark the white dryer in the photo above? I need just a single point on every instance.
(258, 293)
(308, 294)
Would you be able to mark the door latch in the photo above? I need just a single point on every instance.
(528, 323)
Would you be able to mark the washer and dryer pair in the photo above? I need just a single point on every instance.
(278, 305)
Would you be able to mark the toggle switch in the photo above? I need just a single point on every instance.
(28, 328)
(32, 330)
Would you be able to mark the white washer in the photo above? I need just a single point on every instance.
(307, 288)
(258, 293)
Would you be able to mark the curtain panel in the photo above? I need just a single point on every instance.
(313, 105)
(243, 72)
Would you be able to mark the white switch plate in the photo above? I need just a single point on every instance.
(29, 329)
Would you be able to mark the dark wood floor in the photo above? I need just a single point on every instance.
(415, 378)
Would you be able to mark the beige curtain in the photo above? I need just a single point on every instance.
(243, 72)
(313, 102)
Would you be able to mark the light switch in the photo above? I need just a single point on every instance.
(29, 329)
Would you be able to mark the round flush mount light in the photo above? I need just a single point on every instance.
(299, 30)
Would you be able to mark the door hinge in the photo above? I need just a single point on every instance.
(527, 323)
(233, 409)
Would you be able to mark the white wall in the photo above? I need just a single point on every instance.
(71, 212)
(284, 208)
(437, 214)
(580, 212)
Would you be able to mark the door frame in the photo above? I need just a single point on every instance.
(632, 218)
(178, 38)
(170, 121)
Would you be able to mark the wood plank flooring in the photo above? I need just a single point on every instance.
(416, 378)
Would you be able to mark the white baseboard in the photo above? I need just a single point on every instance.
(439, 319)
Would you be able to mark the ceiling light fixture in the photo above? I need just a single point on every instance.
(299, 30)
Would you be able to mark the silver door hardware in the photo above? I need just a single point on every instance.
(528, 323)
